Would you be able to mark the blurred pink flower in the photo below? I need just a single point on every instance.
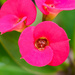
(16, 15)
(45, 44)
(55, 6)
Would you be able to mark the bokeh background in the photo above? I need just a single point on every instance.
(10, 62)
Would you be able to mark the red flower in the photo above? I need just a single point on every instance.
(55, 6)
(16, 15)
(45, 44)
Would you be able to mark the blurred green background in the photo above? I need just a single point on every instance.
(10, 62)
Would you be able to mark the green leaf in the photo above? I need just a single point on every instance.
(8, 66)
(12, 70)
(1, 2)
(38, 18)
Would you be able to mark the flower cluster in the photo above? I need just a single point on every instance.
(44, 44)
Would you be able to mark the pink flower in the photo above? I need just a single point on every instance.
(16, 15)
(45, 44)
(55, 6)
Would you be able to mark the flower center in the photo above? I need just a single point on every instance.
(41, 43)
(47, 6)
(51, 5)
(22, 24)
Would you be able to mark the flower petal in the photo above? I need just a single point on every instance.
(66, 5)
(51, 31)
(60, 51)
(51, 9)
(20, 26)
(20, 8)
(39, 4)
(9, 23)
(30, 53)
(59, 5)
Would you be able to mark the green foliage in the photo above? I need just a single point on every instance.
(1, 2)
